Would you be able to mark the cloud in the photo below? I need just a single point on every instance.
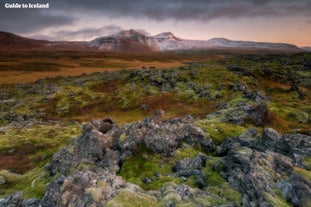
(85, 33)
(30, 20)
(68, 12)
(189, 10)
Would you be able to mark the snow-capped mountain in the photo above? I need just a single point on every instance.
(136, 41)
(307, 48)
(124, 41)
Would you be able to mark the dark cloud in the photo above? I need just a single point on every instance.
(21, 20)
(86, 33)
(29, 20)
(190, 10)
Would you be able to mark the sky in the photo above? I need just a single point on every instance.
(286, 21)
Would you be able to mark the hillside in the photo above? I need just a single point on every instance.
(12, 41)
(133, 41)
(230, 130)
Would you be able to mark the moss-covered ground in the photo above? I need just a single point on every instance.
(38, 118)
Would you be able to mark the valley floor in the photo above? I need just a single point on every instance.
(249, 108)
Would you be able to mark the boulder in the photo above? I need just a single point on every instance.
(164, 137)
(83, 189)
(258, 165)
(17, 200)
(99, 145)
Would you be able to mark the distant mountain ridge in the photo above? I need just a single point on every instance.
(135, 41)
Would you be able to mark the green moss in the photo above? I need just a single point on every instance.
(276, 199)
(186, 151)
(126, 198)
(307, 162)
(10, 178)
(145, 164)
(217, 185)
(226, 192)
(33, 146)
(289, 113)
(303, 172)
(130, 95)
(32, 183)
(219, 131)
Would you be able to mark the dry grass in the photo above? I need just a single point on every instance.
(22, 67)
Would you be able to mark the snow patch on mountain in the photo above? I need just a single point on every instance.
(167, 41)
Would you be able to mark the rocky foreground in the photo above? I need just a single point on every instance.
(263, 168)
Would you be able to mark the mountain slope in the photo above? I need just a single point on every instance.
(125, 41)
(135, 41)
(12, 41)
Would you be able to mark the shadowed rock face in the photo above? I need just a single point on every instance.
(257, 165)
(98, 146)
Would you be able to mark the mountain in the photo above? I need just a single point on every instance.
(225, 43)
(135, 41)
(124, 41)
(307, 48)
(12, 41)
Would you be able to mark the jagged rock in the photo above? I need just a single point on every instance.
(295, 146)
(257, 97)
(93, 147)
(164, 137)
(239, 70)
(260, 115)
(237, 87)
(258, 165)
(184, 192)
(192, 167)
(17, 200)
(83, 189)
(297, 190)
(244, 112)
(196, 163)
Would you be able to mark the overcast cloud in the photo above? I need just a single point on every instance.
(25, 20)
(70, 12)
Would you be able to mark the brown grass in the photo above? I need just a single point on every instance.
(28, 66)
(16, 160)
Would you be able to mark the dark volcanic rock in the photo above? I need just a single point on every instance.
(17, 200)
(184, 192)
(239, 70)
(83, 189)
(195, 163)
(192, 167)
(256, 166)
(266, 168)
(256, 96)
(253, 111)
(93, 147)
(164, 137)
(297, 190)
(260, 115)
